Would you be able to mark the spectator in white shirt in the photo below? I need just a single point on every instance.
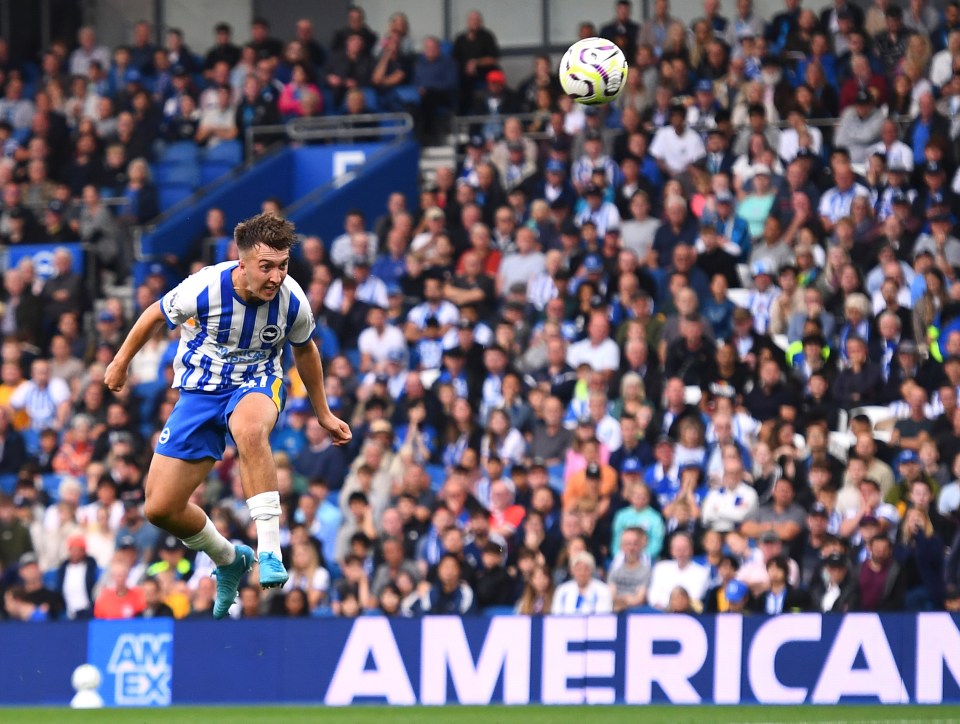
(354, 241)
(726, 507)
(603, 214)
(898, 154)
(582, 594)
(675, 147)
(680, 571)
(597, 350)
(378, 340)
(219, 123)
(88, 51)
(45, 399)
(835, 203)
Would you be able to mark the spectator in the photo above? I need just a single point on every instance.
(837, 591)
(89, 51)
(477, 54)
(450, 594)
(351, 67)
(218, 124)
(678, 571)
(223, 49)
(118, 600)
(582, 594)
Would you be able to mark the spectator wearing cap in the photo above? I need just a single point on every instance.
(602, 213)
(860, 126)
(675, 146)
(597, 481)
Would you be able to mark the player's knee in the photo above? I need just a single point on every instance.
(252, 437)
(157, 512)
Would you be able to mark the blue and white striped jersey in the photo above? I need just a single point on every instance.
(225, 342)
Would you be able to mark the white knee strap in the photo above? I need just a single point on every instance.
(264, 506)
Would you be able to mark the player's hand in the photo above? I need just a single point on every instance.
(116, 376)
(338, 429)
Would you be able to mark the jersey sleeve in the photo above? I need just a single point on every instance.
(180, 303)
(301, 331)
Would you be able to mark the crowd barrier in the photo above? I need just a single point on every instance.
(629, 659)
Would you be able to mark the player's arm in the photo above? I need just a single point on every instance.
(146, 327)
(307, 359)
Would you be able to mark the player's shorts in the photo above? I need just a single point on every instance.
(197, 427)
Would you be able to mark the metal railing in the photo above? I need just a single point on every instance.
(378, 126)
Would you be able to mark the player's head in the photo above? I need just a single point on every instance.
(264, 242)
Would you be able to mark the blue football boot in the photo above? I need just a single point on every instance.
(272, 572)
(228, 580)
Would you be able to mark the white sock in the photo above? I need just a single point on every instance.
(265, 510)
(209, 540)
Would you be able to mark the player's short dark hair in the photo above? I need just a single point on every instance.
(266, 229)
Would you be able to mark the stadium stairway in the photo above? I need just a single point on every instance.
(315, 184)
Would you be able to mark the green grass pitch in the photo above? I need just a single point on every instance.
(493, 715)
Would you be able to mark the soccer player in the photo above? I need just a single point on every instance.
(234, 319)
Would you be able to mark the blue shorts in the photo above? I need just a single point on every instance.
(197, 427)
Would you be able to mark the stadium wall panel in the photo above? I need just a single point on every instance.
(629, 659)
(291, 174)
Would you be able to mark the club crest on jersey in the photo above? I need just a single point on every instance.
(270, 334)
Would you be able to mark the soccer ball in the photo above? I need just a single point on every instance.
(85, 676)
(593, 71)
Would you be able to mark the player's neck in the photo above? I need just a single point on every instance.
(238, 280)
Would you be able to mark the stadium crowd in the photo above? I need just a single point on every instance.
(696, 351)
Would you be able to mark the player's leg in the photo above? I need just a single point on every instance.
(251, 423)
(170, 483)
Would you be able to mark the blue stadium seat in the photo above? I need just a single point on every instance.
(227, 152)
(50, 579)
(172, 195)
(7, 483)
(31, 439)
(210, 171)
(556, 477)
(177, 174)
(51, 485)
(438, 476)
(181, 152)
(498, 611)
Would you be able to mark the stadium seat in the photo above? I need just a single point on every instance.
(31, 439)
(181, 152)
(210, 171)
(51, 485)
(177, 174)
(7, 483)
(170, 196)
(50, 579)
(498, 611)
(226, 152)
(438, 476)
